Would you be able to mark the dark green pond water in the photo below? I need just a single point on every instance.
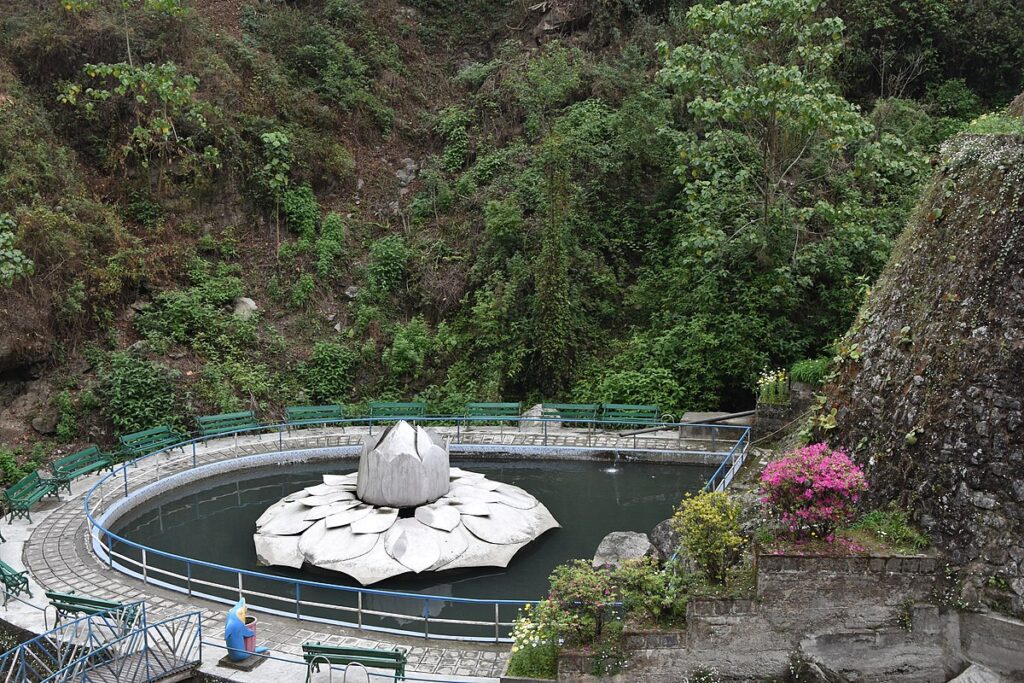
(214, 521)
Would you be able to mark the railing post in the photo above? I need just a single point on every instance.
(426, 618)
(298, 601)
(188, 577)
(193, 455)
(145, 569)
(124, 471)
(240, 596)
(359, 608)
(545, 432)
(497, 623)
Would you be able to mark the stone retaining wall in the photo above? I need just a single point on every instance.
(870, 618)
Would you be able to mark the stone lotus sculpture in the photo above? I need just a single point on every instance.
(404, 466)
(405, 510)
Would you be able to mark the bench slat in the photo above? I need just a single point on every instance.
(398, 409)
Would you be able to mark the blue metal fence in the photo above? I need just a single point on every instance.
(365, 608)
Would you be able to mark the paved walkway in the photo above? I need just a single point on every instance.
(57, 552)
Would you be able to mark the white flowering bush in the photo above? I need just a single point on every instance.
(535, 641)
(773, 387)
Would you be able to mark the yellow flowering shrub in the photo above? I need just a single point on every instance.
(708, 524)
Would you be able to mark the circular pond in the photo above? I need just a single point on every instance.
(213, 521)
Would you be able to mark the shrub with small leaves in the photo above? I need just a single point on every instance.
(708, 524)
(301, 211)
(327, 375)
(137, 393)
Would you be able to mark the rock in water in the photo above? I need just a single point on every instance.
(620, 546)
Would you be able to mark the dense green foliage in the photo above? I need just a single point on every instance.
(651, 208)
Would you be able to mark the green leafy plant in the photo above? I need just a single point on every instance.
(330, 245)
(301, 211)
(708, 524)
(891, 526)
(164, 112)
(13, 262)
(810, 371)
(389, 258)
(137, 393)
(327, 375)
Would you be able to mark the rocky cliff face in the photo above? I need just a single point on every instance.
(930, 389)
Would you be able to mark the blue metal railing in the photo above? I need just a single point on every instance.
(723, 476)
(107, 646)
(365, 608)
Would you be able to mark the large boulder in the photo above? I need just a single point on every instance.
(620, 546)
(244, 307)
(665, 539)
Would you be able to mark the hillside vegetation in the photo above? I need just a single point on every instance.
(618, 201)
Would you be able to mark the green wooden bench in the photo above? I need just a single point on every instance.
(397, 411)
(312, 415)
(227, 423)
(147, 441)
(15, 582)
(70, 604)
(498, 411)
(570, 412)
(316, 654)
(628, 414)
(71, 467)
(27, 492)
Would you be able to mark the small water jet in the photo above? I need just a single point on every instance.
(405, 510)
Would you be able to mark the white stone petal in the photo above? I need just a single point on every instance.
(270, 512)
(475, 508)
(278, 550)
(377, 522)
(322, 489)
(485, 484)
(328, 498)
(483, 554)
(287, 521)
(311, 538)
(463, 493)
(513, 496)
(340, 479)
(459, 473)
(339, 545)
(443, 517)
(413, 544)
(324, 511)
(370, 568)
(453, 546)
(298, 495)
(346, 517)
(505, 525)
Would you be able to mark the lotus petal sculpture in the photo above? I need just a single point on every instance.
(450, 518)
(405, 466)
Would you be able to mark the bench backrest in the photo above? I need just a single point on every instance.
(313, 413)
(140, 440)
(226, 420)
(390, 409)
(316, 650)
(570, 411)
(8, 572)
(29, 482)
(90, 454)
(494, 409)
(85, 603)
(626, 412)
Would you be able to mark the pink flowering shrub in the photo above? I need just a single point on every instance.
(813, 489)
